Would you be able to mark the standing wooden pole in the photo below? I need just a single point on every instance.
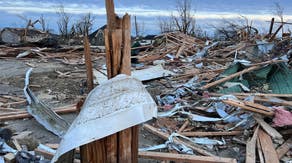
(122, 146)
(275, 34)
(271, 26)
(88, 64)
(136, 26)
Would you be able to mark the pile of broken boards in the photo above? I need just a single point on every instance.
(227, 100)
(69, 55)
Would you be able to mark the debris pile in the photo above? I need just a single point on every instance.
(218, 101)
(229, 99)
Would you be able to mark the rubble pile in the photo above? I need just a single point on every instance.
(227, 98)
(229, 101)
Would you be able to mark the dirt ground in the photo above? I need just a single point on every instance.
(52, 89)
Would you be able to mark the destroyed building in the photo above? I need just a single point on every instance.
(97, 37)
(185, 99)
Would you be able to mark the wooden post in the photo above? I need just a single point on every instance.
(121, 146)
(275, 34)
(88, 64)
(136, 26)
(271, 26)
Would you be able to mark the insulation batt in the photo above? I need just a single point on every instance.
(282, 117)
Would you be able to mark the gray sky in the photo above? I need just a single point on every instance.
(147, 11)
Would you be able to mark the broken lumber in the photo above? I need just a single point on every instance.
(121, 146)
(230, 77)
(184, 126)
(251, 148)
(165, 136)
(250, 107)
(24, 114)
(284, 148)
(260, 151)
(219, 133)
(269, 152)
(184, 157)
(255, 94)
(270, 130)
(88, 64)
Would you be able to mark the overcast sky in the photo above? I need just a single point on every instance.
(147, 11)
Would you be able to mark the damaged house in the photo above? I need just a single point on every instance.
(97, 37)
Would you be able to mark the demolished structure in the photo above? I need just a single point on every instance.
(217, 101)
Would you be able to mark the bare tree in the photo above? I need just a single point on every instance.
(43, 23)
(63, 22)
(279, 11)
(185, 20)
(84, 25)
(240, 29)
(165, 24)
(139, 27)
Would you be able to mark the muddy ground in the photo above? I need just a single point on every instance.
(55, 90)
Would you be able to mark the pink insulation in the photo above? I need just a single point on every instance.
(282, 117)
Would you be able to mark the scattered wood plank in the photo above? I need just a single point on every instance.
(44, 153)
(165, 136)
(184, 126)
(16, 144)
(255, 107)
(270, 130)
(260, 151)
(9, 158)
(255, 94)
(270, 154)
(24, 114)
(284, 148)
(88, 64)
(230, 77)
(219, 133)
(251, 148)
(185, 158)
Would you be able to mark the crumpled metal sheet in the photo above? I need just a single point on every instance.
(150, 73)
(202, 141)
(181, 148)
(281, 79)
(115, 105)
(43, 113)
(5, 148)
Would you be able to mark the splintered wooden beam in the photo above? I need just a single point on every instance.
(218, 133)
(121, 146)
(271, 26)
(275, 34)
(269, 152)
(260, 151)
(88, 64)
(184, 157)
(250, 107)
(270, 130)
(184, 126)
(25, 114)
(251, 148)
(284, 148)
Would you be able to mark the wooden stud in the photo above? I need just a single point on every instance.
(88, 64)
(185, 158)
(219, 133)
(270, 154)
(284, 148)
(251, 148)
(184, 126)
